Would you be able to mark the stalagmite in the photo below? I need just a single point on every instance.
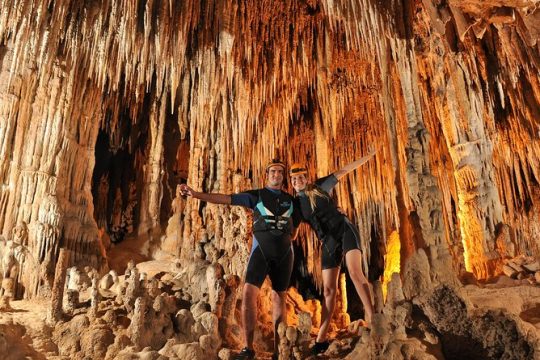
(287, 338)
(4, 303)
(55, 312)
(137, 325)
(228, 308)
(72, 301)
(94, 297)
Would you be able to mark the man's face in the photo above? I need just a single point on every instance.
(274, 175)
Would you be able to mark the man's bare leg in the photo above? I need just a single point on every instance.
(279, 313)
(249, 313)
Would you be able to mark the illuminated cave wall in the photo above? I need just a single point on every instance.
(448, 91)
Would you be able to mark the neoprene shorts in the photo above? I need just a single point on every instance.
(278, 268)
(334, 247)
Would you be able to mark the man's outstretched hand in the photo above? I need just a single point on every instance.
(213, 198)
(186, 190)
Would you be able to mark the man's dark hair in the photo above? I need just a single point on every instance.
(275, 162)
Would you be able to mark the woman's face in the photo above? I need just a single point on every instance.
(299, 182)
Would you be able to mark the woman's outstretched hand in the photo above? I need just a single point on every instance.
(372, 150)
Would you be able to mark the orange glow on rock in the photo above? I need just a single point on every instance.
(392, 259)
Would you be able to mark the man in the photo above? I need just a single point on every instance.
(274, 222)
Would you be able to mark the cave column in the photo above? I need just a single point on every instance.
(36, 148)
(153, 171)
(50, 165)
(202, 133)
(17, 91)
(81, 116)
(471, 151)
(420, 194)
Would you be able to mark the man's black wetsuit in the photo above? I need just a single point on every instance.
(273, 221)
(337, 234)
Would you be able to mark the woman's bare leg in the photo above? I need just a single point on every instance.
(353, 259)
(330, 283)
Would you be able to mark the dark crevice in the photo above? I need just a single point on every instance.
(176, 159)
(117, 180)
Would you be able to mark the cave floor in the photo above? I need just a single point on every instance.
(24, 333)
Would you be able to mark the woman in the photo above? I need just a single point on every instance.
(339, 239)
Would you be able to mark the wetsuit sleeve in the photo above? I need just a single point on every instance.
(327, 183)
(246, 199)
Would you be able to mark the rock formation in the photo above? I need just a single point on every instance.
(105, 107)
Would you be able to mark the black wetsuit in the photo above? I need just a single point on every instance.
(337, 234)
(273, 221)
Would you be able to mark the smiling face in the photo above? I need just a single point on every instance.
(299, 182)
(274, 176)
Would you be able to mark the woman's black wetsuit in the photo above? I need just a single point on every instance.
(337, 234)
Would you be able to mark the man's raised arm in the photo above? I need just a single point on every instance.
(208, 197)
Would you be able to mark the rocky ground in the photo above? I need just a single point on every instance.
(161, 310)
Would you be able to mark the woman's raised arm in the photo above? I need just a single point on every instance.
(354, 165)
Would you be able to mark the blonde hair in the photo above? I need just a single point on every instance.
(312, 192)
